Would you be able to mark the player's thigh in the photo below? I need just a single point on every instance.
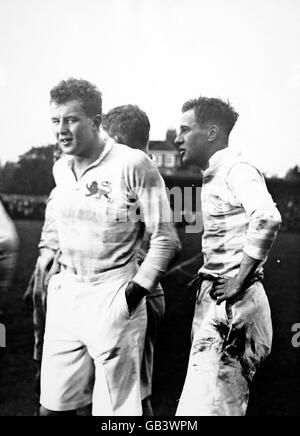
(67, 375)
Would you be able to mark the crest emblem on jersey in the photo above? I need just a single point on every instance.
(99, 192)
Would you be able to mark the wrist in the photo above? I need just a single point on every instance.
(239, 282)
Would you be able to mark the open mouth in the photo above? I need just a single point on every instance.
(182, 152)
(66, 141)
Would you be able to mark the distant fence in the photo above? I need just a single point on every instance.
(25, 206)
(285, 193)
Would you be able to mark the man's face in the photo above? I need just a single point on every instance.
(73, 129)
(192, 141)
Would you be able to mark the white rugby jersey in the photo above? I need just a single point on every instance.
(239, 214)
(101, 218)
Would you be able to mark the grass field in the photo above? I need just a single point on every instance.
(276, 390)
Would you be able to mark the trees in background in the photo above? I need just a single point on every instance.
(31, 174)
(293, 174)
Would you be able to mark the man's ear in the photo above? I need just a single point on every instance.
(213, 132)
(97, 119)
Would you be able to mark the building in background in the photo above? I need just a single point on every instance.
(166, 153)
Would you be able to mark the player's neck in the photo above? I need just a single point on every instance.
(83, 161)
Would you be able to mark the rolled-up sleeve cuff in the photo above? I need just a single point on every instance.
(255, 252)
(145, 281)
(262, 232)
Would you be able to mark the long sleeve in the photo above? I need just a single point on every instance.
(149, 188)
(49, 235)
(8, 252)
(249, 189)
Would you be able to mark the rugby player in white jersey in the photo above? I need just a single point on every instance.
(232, 329)
(106, 195)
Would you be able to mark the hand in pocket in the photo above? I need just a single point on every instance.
(134, 293)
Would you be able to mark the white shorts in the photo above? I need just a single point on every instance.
(91, 341)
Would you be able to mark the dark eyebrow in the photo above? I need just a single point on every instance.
(66, 118)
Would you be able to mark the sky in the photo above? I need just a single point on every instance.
(157, 54)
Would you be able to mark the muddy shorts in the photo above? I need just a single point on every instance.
(93, 347)
(229, 342)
